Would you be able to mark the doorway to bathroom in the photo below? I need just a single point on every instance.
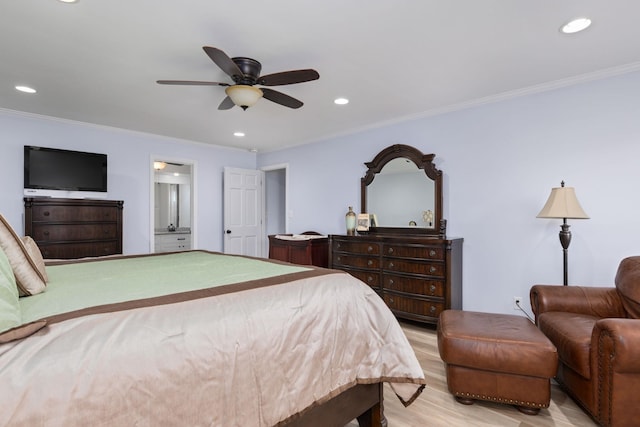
(172, 205)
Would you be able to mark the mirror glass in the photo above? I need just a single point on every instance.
(172, 197)
(401, 195)
(402, 192)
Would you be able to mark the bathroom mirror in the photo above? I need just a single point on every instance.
(172, 198)
(402, 191)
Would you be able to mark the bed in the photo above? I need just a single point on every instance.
(200, 338)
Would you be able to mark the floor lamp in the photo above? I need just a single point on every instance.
(562, 203)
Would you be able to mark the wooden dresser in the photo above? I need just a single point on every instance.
(74, 228)
(312, 251)
(417, 276)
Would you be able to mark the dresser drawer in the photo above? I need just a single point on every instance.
(49, 232)
(371, 278)
(414, 251)
(79, 250)
(413, 306)
(414, 285)
(352, 260)
(366, 248)
(53, 213)
(414, 267)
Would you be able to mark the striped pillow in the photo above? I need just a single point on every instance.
(36, 255)
(10, 316)
(29, 279)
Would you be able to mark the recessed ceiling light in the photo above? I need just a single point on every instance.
(238, 134)
(576, 25)
(25, 89)
(341, 101)
(253, 150)
(69, 1)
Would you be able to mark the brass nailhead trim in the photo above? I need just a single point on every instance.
(501, 400)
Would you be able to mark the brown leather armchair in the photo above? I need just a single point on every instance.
(596, 331)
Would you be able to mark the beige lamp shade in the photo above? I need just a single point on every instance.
(563, 203)
(243, 95)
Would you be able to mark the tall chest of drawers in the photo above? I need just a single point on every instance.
(418, 277)
(74, 228)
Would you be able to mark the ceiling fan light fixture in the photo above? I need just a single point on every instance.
(244, 96)
(159, 165)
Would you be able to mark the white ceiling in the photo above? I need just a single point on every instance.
(97, 61)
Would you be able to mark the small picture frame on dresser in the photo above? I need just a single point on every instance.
(363, 222)
(373, 220)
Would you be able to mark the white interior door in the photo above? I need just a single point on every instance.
(243, 195)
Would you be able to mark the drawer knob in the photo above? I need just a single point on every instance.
(390, 250)
(390, 281)
(338, 245)
(432, 269)
(46, 233)
(432, 253)
(369, 279)
(370, 249)
(391, 300)
(46, 213)
(432, 288)
(432, 309)
(391, 265)
(369, 263)
(339, 259)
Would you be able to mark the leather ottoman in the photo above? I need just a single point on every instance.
(496, 357)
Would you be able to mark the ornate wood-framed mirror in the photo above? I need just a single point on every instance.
(402, 192)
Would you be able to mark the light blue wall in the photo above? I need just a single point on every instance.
(129, 156)
(500, 162)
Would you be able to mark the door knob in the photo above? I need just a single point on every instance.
(228, 231)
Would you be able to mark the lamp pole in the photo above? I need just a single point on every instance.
(565, 239)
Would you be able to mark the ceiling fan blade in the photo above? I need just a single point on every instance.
(281, 98)
(289, 77)
(223, 61)
(226, 104)
(190, 83)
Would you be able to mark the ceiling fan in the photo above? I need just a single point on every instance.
(245, 73)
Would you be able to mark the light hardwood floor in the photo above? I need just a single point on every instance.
(436, 406)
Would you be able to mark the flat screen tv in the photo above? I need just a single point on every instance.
(63, 170)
